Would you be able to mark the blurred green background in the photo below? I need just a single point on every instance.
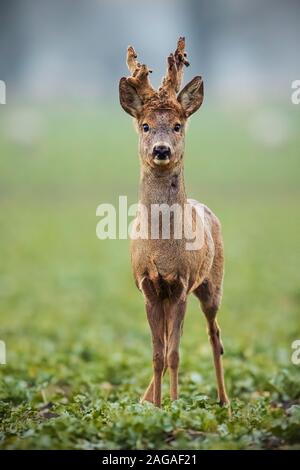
(78, 343)
(74, 324)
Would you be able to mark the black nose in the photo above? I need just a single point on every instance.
(161, 152)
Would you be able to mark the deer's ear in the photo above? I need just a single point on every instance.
(191, 96)
(129, 99)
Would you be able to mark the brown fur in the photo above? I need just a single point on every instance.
(163, 269)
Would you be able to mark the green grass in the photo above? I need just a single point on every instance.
(78, 343)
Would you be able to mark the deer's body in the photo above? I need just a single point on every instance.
(168, 261)
(164, 270)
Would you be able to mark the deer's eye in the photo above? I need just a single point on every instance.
(146, 127)
(177, 127)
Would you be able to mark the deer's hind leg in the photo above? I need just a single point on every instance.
(210, 293)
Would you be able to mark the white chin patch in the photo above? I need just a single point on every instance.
(161, 162)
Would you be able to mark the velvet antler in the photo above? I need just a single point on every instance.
(136, 91)
(172, 81)
(140, 76)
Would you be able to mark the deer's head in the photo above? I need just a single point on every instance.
(160, 115)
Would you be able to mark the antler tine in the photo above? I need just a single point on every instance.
(173, 79)
(140, 75)
(131, 61)
(181, 60)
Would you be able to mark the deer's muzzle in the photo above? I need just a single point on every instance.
(161, 154)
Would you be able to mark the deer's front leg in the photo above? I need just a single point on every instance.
(155, 314)
(174, 318)
(148, 395)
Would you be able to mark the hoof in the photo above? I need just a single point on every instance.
(146, 398)
(225, 403)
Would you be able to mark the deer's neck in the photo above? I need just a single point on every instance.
(162, 187)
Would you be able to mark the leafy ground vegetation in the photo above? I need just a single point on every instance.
(77, 339)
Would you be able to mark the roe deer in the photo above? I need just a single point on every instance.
(164, 270)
